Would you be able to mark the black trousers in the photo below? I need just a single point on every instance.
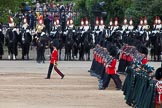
(55, 68)
(115, 77)
(122, 65)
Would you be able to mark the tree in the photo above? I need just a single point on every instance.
(141, 8)
(6, 5)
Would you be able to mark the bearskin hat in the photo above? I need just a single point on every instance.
(158, 74)
(55, 43)
(143, 50)
(113, 51)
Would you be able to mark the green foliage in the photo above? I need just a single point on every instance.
(7, 5)
(141, 8)
(114, 8)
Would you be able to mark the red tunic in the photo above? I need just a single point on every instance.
(123, 56)
(144, 60)
(129, 58)
(110, 69)
(54, 56)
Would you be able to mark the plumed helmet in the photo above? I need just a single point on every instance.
(125, 21)
(97, 21)
(158, 74)
(113, 51)
(101, 21)
(110, 22)
(10, 19)
(82, 22)
(145, 20)
(155, 21)
(141, 21)
(86, 21)
(116, 21)
(25, 20)
(131, 21)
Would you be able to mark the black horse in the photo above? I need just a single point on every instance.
(25, 40)
(156, 43)
(43, 42)
(1, 43)
(59, 39)
(75, 44)
(11, 41)
(68, 45)
(88, 44)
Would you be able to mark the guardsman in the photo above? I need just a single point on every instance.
(96, 23)
(125, 24)
(158, 26)
(25, 24)
(145, 26)
(110, 70)
(12, 26)
(82, 24)
(86, 27)
(54, 62)
(110, 25)
(70, 23)
(155, 23)
(101, 26)
(145, 53)
(11, 22)
(40, 26)
(131, 27)
(1, 42)
(140, 26)
(56, 23)
(116, 24)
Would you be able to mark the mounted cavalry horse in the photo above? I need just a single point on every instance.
(68, 44)
(1, 43)
(85, 44)
(156, 43)
(11, 39)
(25, 39)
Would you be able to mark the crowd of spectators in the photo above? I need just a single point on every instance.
(50, 12)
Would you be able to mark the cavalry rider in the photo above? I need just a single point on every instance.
(56, 23)
(145, 26)
(86, 26)
(40, 25)
(1, 41)
(99, 24)
(12, 26)
(11, 22)
(96, 23)
(140, 26)
(155, 23)
(110, 25)
(158, 26)
(25, 24)
(116, 24)
(125, 24)
(70, 23)
(131, 27)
